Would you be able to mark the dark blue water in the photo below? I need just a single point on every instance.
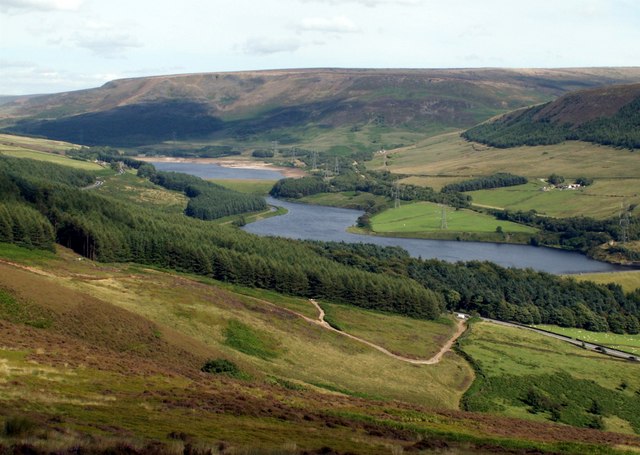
(215, 171)
(314, 222)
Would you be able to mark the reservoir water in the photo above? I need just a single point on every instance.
(215, 171)
(313, 222)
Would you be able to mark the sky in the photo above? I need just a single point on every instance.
(49, 46)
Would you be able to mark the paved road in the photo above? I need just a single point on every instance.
(583, 344)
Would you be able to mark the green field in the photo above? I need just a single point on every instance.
(629, 281)
(141, 191)
(37, 144)
(447, 158)
(49, 157)
(434, 182)
(603, 199)
(247, 185)
(427, 216)
(627, 343)
(528, 375)
(403, 336)
(345, 199)
(448, 155)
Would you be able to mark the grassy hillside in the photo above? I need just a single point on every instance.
(448, 158)
(608, 116)
(629, 281)
(627, 343)
(527, 375)
(120, 353)
(374, 108)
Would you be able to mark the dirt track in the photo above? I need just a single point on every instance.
(431, 361)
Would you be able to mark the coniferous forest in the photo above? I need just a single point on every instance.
(620, 130)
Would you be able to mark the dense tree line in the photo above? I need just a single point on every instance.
(262, 154)
(106, 229)
(524, 296)
(207, 151)
(25, 226)
(499, 180)
(297, 188)
(577, 233)
(207, 201)
(523, 128)
(377, 183)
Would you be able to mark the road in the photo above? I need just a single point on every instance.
(97, 184)
(582, 344)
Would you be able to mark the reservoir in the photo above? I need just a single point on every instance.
(313, 222)
(215, 171)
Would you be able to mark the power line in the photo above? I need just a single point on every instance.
(624, 222)
(396, 202)
(443, 218)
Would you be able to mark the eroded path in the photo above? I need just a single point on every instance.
(431, 361)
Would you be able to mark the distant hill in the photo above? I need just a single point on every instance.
(607, 116)
(292, 106)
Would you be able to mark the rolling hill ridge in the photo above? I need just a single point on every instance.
(290, 105)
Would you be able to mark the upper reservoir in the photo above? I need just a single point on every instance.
(215, 171)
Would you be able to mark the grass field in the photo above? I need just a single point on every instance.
(426, 216)
(434, 182)
(141, 191)
(627, 343)
(37, 144)
(446, 158)
(49, 157)
(261, 187)
(528, 375)
(345, 199)
(601, 200)
(629, 281)
(449, 155)
(43, 150)
(400, 335)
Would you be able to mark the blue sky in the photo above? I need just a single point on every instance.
(58, 45)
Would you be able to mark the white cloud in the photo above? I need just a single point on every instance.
(106, 44)
(338, 24)
(18, 78)
(40, 5)
(266, 46)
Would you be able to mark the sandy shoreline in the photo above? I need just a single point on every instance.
(230, 163)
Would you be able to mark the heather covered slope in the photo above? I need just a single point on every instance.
(292, 106)
(606, 116)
